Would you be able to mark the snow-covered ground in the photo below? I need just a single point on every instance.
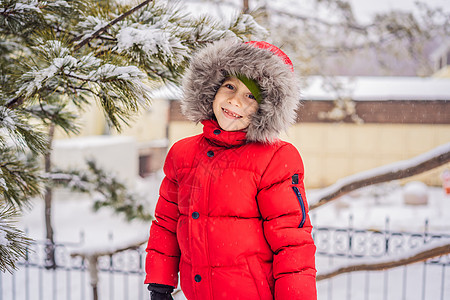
(369, 208)
(372, 207)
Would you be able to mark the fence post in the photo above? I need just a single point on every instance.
(111, 269)
(93, 274)
(27, 271)
(13, 287)
(141, 267)
(386, 241)
(424, 277)
(350, 251)
(82, 268)
(443, 282)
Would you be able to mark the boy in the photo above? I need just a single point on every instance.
(232, 213)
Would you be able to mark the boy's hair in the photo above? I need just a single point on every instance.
(262, 62)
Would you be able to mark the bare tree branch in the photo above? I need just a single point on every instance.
(116, 20)
(306, 18)
(418, 257)
(403, 169)
(88, 253)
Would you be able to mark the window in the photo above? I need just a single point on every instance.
(145, 166)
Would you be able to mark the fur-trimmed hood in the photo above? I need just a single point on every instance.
(265, 64)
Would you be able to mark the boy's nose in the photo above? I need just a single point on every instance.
(235, 100)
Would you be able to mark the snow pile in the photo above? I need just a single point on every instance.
(415, 193)
(381, 207)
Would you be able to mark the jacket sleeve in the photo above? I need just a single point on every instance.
(287, 226)
(163, 252)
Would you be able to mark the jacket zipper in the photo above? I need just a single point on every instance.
(302, 205)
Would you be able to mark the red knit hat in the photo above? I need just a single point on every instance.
(275, 50)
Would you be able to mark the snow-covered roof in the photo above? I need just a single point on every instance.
(379, 88)
(168, 91)
(358, 88)
(92, 141)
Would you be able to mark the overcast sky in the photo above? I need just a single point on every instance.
(366, 8)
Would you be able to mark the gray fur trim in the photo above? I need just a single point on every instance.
(277, 82)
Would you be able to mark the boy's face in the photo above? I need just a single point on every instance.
(233, 105)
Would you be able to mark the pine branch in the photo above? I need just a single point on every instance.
(19, 179)
(106, 189)
(106, 27)
(81, 88)
(15, 102)
(16, 246)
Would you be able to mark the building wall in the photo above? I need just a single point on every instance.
(331, 151)
(149, 125)
(116, 155)
(90, 122)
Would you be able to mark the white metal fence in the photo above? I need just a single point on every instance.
(121, 275)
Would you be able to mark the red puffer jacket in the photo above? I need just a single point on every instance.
(232, 218)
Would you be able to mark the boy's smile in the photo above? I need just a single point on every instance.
(233, 105)
(230, 114)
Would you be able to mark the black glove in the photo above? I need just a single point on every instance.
(160, 291)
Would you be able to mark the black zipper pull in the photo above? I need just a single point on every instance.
(295, 179)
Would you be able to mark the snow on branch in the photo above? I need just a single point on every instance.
(422, 254)
(104, 28)
(402, 169)
(108, 251)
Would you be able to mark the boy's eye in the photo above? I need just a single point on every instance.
(252, 97)
(229, 86)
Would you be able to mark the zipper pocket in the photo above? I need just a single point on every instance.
(302, 205)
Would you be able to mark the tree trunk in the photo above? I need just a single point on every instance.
(94, 292)
(50, 262)
(245, 7)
